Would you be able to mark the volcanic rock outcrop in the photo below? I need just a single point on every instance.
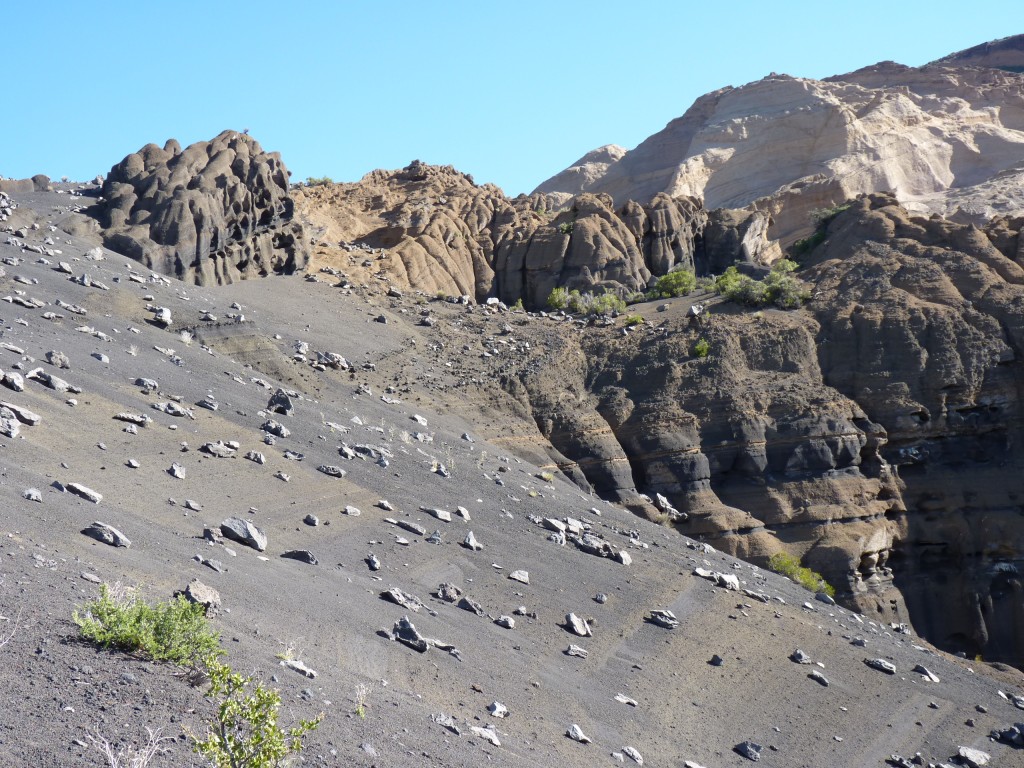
(432, 229)
(790, 145)
(874, 433)
(216, 212)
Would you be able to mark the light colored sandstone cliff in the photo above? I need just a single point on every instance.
(937, 137)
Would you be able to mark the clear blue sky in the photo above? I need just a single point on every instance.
(511, 92)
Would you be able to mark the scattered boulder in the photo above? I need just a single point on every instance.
(405, 632)
(275, 428)
(449, 593)
(664, 618)
(576, 733)
(974, 758)
(471, 605)
(488, 734)
(882, 665)
(398, 597)
(470, 542)
(84, 492)
(244, 532)
(296, 665)
(302, 555)
(107, 534)
(817, 677)
(201, 594)
(576, 625)
(281, 403)
(749, 750)
(926, 673)
(218, 449)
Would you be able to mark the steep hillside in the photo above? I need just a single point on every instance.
(410, 413)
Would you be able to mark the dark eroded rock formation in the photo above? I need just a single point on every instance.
(216, 212)
(877, 433)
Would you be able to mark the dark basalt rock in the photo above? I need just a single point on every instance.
(216, 212)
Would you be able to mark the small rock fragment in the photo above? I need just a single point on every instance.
(882, 665)
(86, 493)
(302, 555)
(576, 734)
(749, 750)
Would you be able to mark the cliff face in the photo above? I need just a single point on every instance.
(921, 323)
(431, 228)
(875, 433)
(789, 146)
(216, 212)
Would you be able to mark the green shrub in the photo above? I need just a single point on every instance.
(245, 733)
(566, 227)
(678, 283)
(790, 567)
(558, 299)
(518, 304)
(633, 320)
(316, 181)
(175, 631)
(701, 348)
(780, 287)
(585, 303)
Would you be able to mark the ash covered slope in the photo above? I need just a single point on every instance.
(332, 613)
(216, 212)
(789, 145)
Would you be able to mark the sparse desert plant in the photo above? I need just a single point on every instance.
(566, 227)
(701, 348)
(317, 181)
(130, 756)
(246, 733)
(361, 694)
(789, 566)
(132, 350)
(546, 476)
(518, 304)
(289, 653)
(633, 320)
(186, 337)
(677, 283)
(175, 631)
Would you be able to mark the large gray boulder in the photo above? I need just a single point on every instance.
(244, 532)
